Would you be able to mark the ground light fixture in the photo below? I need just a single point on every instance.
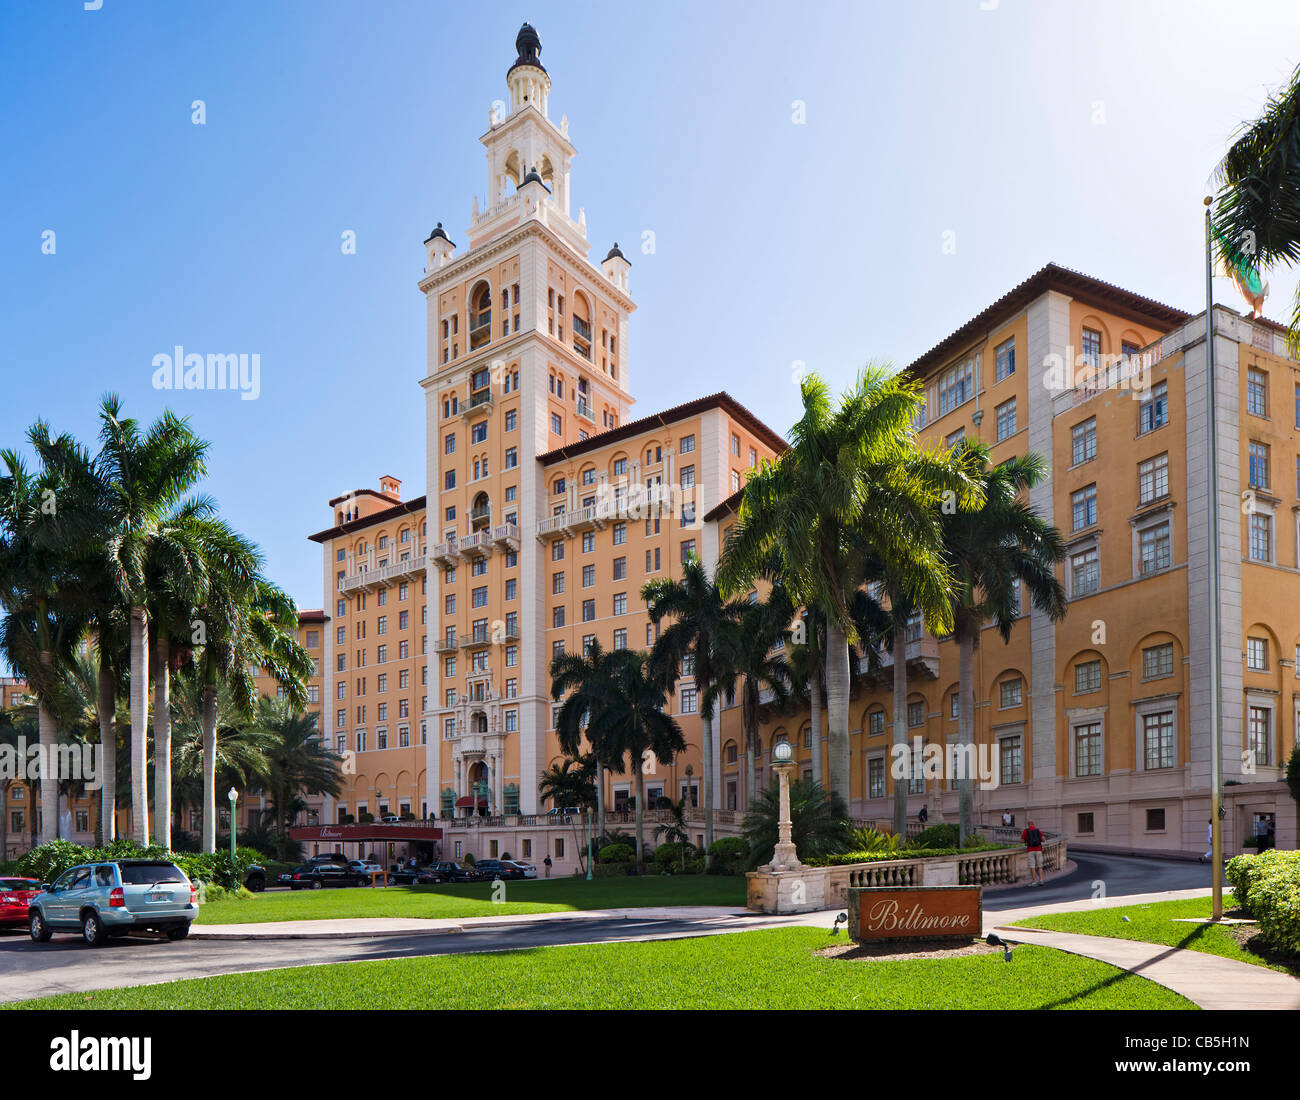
(841, 919)
(994, 940)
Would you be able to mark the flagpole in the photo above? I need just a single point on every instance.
(1216, 658)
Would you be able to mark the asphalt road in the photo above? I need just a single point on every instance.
(66, 965)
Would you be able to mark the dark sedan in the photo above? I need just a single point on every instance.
(454, 872)
(415, 876)
(316, 876)
(493, 869)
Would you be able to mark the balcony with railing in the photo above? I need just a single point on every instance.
(445, 644)
(446, 554)
(480, 329)
(922, 656)
(366, 580)
(506, 536)
(478, 636)
(477, 544)
(585, 410)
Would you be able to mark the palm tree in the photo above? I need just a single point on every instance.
(807, 663)
(853, 482)
(699, 612)
(632, 722)
(570, 784)
(1256, 211)
(586, 683)
(820, 821)
(297, 761)
(235, 748)
(745, 653)
(146, 476)
(674, 830)
(990, 551)
(46, 523)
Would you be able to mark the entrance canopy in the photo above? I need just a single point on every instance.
(411, 831)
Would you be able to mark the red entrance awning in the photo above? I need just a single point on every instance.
(411, 830)
(462, 803)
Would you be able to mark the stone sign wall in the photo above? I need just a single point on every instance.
(917, 912)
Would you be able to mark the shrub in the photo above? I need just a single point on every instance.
(943, 835)
(367, 818)
(727, 856)
(469, 859)
(669, 858)
(1245, 872)
(868, 840)
(47, 861)
(839, 859)
(612, 870)
(617, 853)
(1275, 902)
(505, 855)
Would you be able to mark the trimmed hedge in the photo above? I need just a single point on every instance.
(728, 856)
(1267, 887)
(617, 853)
(47, 861)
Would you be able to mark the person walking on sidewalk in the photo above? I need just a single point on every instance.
(1209, 841)
(1033, 840)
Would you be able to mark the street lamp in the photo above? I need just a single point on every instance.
(784, 857)
(233, 795)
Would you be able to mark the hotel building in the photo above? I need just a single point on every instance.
(446, 610)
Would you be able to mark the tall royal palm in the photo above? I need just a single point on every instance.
(699, 613)
(632, 723)
(807, 663)
(853, 477)
(235, 750)
(1256, 210)
(745, 653)
(586, 684)
(47, 520)
(991, 551)
(146, 476)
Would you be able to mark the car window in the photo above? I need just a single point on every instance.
(80, 879)
(103, 876)
(19, 884)
(142, 874)
(64, 880)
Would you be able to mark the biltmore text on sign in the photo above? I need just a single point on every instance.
(914, 912)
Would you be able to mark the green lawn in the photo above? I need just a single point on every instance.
(1157, 923)
(766, 969)
(474, 899)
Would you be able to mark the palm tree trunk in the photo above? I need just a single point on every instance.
(640, 819)
(140, 723)
(106, 832)
(162, 742)
(966, 732)
(815, 717)
(209, 843)
(752, 758)
(837, 710)
(900, 727)
(49, 737)
(706, 743)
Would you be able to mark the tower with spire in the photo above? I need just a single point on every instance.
(527, 352)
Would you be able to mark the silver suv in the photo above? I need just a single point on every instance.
(109, 899)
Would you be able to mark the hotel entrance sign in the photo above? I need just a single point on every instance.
(919, 912)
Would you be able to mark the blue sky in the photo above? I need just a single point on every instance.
(1082, 133)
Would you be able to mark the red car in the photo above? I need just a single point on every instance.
(15, 893)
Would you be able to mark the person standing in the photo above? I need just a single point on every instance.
(1209, 841)
(547, 864)
(924, 815)
(1007, 819)
(1033, 841)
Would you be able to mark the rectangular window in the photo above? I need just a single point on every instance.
(1010, 760)
(876, 777)
(620, 568)
(588, 611)
(1256, 392)
(1154, 549)
(620, 639)
(875, 723)
(1087, 749)
(1154, 411)
(956, 386)
(620, 603)
(1153, 479)
(557, 616)
(1087, 677)
(1259, 740)
(1083, 440)
(690, 698)
(687, 445)
(1257, 654)
(1010, 693)
(1156, 820)
(1258, 465)
(1006, 419)
(1092, 348)
(1158, 740)
(1158, 661)
(1084, 823)
(1085, 573)
(915, 713)
(1261, 537)
(557, 584)
(1005, 358)
(1084, 507)
(557, 426)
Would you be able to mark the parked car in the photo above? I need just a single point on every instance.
(454, 872)
(255, 878)
(316, 876)
(331, 857)
(390, 819)
(528, 869)
(495, 868)
(415, 876)
(366, 867)
(108, 900)
(15, 897)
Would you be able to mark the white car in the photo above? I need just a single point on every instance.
(528, 869)
(366, 866)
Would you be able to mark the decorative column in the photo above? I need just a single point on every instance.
(785, 857)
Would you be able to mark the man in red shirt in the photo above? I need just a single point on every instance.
(1033, 840)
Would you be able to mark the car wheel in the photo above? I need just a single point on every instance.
(317, 884)
(39, 929)
(178, 933)
(92, 930)
(256, 883)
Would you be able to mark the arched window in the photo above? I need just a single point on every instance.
(480, 515)
(480, 315)
(582, 326)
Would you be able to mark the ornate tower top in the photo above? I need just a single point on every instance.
(527, 78)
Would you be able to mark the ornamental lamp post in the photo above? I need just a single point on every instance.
(784, 857)
(233, 795)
